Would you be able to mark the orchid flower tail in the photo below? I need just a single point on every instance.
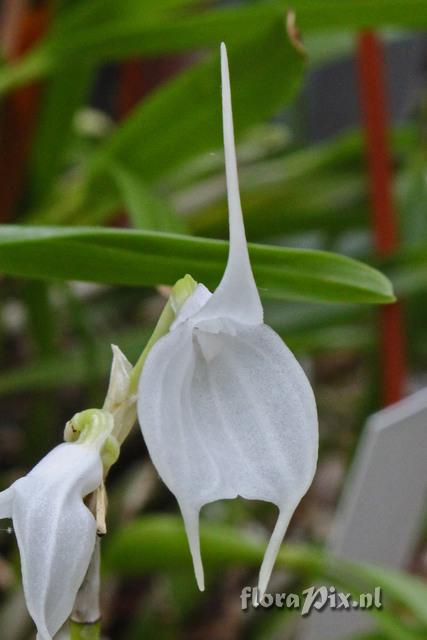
(45, 635)
(272, 551)
(237, 295)
(238, 247)
(6, 501)
(191, 523)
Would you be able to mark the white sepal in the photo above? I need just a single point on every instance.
(236, 295)
(118, 387)
(224, 406)
(119, 401)
(55, 530)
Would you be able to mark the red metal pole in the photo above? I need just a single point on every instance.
(373, 97)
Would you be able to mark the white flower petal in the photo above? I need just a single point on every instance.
(55, 531)
(239, 421)
(192, 305)
(118, 401)
(237, 295)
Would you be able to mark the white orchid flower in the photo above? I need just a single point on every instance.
(55, 530)
(224, 406)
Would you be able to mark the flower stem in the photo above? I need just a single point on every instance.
(85, 623)
(81, 631)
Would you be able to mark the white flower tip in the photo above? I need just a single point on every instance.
(191, 523)
(120, 367)
(200, 578)
(118, 353)
(272, 551)
(119, 380)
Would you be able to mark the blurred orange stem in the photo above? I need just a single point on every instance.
(21, 27)
(373, 97)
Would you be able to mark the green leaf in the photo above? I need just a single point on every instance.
(183, 118)
(96, 35)
(395, 628)
(156, 543)
(316, 187)
(63, 95)
(411, 196)
(162, 542)
(107, 31)
(328, 202)
(147, 258)
(102, 30)
(406, 589)
(408, 269)
(41, 316)
(319, 187)
(314, 15)
(79, 15)
(146, 209)
(85, 364)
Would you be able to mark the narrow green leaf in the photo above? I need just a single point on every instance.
(96, 36)
(146, 209)
(147, 258)
(41, 316)
(327, 202)
(48, 373)
(137, 29)
(62, 96)
(314, 15)
(156, 543)
(319, 187)
(163, 544)
(79, 15)
(315, 187)
(183, 118)
(404, 588)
